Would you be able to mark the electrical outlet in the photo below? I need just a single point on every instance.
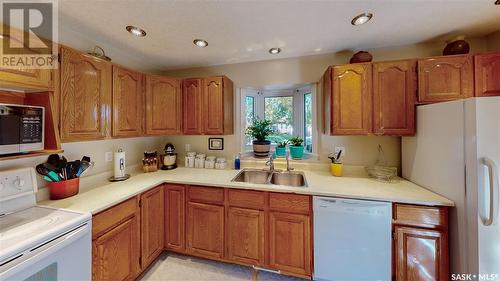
(339, 148)
(108, 156)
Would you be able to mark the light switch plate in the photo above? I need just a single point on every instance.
(108, 156)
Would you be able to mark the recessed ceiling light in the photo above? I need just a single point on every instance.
(274, 51)
(361, 18)
(139, 32)
(200, 43)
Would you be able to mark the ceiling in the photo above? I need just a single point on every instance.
(244, 30)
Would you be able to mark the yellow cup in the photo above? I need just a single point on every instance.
(336, 169)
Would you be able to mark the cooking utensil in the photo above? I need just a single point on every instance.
(42, 170)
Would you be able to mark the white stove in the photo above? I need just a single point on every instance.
(37, 242)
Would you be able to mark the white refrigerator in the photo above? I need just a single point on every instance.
(456, 153)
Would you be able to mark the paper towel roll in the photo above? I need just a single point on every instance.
(119, 169)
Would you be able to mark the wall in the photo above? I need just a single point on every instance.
(292, 71)
(133, 147)
(493, 41)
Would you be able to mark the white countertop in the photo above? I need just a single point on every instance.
(356, 185)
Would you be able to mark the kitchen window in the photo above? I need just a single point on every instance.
(291, 112)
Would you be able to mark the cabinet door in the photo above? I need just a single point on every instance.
(116, 253)
(152, 222)
(175, 199)
(422, 255)
(445, 78)
(163, 106)
(192, 99)
(290, 243)
(205, 230)
(85, 97)
(394, 93)
(487, 73)
(32, 79)
(127, 103)
(351, 99)
(213, 109)
(245, 235)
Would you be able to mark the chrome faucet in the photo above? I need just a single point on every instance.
(270, 162)
(288, 168)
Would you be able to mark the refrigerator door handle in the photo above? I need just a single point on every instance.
(493, 191)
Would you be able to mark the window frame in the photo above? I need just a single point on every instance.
(298, 118)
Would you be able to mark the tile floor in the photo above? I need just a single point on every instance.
(173, 267)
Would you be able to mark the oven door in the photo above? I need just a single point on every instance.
(67, 257)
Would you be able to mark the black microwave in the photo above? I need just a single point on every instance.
(21, 128)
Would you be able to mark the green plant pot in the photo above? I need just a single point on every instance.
(297, 152)
(280, 151)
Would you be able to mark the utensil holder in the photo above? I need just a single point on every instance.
(64, 189)
(336, 169)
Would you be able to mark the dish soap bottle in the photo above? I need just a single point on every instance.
(237, 162)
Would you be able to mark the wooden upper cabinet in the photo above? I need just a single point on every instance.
(487, 74)
(163, 105)
(175, 202)
(351, 99)
(218, 106)
(152, 224)
(30, 79)
(22, 78)
(192, 101)
(85, 97)
(394, 94)
(245, 235)
(127, 103)
(205, 230)
(421, 255)
(290, 243)
(445, 78)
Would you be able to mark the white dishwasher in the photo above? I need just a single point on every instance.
(352, 239)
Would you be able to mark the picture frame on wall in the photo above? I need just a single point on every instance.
(215, 143)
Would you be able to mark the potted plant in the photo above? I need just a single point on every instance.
(281, 148)
(296, 147)
(259, 131)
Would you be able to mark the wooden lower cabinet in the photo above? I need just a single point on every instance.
(421, 255)
(116, 251)
(152, 225)
(245, 235)
(205, 230)
(175, 220)
(290, 243)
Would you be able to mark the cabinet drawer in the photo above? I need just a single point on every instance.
(113, 216)
(421, 216)
(247, 198)
(206, 194)
(290, 203)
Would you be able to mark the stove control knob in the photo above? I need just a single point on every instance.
(19, 183)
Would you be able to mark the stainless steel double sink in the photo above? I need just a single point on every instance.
(291, 178)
